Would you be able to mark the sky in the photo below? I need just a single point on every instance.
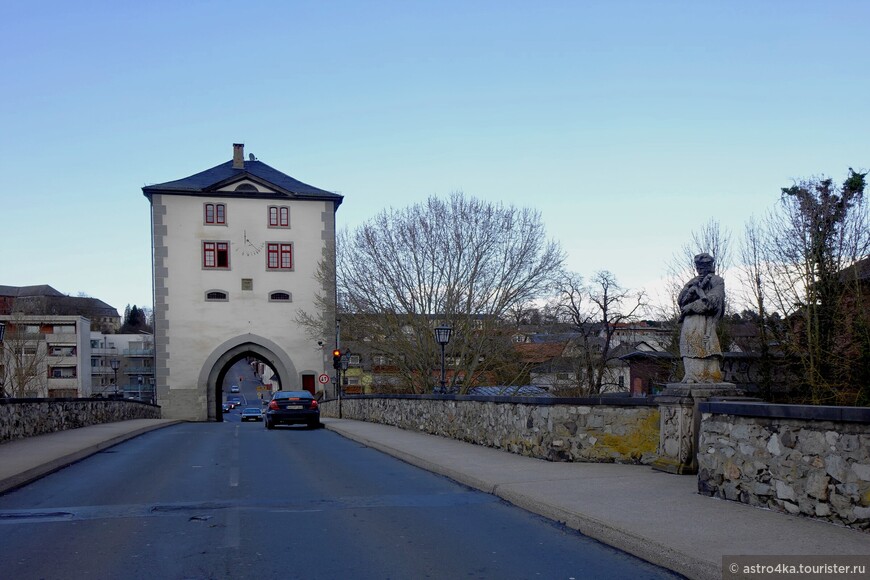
(627, 125)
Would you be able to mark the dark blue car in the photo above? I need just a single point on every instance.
(292, 408)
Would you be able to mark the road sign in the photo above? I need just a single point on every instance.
(323, 378)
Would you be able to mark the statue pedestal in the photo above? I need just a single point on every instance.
(680, 423)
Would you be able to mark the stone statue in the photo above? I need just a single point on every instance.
(702, 303)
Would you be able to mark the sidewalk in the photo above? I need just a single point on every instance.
(28, 459)
(656, 516)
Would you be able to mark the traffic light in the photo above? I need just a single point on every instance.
(336, 359)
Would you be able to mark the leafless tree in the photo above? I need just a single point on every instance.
(711, 238)
(459, 261)
(595, 311)
(320, 324)
(752, 273)
(23, 356)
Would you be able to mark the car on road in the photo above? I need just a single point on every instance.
(234, 400)
(234, 389)
(252, 414)
(292, 408)
(226, 407)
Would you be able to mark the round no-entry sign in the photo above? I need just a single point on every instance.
(323, 378)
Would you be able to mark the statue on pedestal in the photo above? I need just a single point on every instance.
(702, 304)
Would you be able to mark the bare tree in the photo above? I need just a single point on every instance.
(595, 311)
(23, 356)
(712, 239)
(753, 273)
(320, 324)
(460, 261)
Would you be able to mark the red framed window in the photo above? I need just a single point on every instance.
(279, 256)
(215, 213)
(279, 216)
(215, 255)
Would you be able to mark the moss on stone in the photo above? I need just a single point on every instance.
(643, 438)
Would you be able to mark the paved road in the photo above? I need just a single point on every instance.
(225, 500)
(242, 375)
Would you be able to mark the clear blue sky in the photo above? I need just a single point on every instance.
(626, 124)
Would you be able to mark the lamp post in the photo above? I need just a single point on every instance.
(442, 337)
(115, 364)
(345, 360)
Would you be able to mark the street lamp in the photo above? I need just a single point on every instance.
(345, 361)
(442, 337)
(115, 364)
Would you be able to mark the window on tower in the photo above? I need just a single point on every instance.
(216, 255)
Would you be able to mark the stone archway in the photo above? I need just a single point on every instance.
(222, 358)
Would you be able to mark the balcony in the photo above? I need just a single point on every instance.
(111, 351)
(139, 371)
(147, 352)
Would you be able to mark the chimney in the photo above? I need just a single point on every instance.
(238, 155)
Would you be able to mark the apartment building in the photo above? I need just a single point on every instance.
(45, 355)
(122, 365)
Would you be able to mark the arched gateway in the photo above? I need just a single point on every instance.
(235, 252)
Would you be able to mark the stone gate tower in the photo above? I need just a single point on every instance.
(234, 250)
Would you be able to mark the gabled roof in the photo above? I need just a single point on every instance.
(208, 182)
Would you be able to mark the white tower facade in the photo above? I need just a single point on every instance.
(235, 250)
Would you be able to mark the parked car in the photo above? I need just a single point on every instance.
(234, 389)
(252, 414)
(292, 407)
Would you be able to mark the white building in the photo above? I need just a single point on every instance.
(235, 250)
(133, 357)
(45, 355)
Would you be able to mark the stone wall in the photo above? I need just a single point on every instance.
(613, 430)
(28, 417)
(801, 460)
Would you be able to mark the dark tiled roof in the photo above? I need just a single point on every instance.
(64, 305)
(21, 291)
(211, 179)
(43, 299)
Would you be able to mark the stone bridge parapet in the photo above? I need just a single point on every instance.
(29, 417)
(599, 429)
